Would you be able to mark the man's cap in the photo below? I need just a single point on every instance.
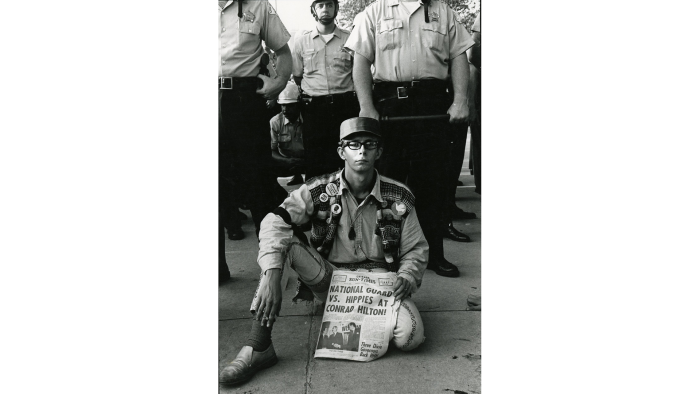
(289, 95)
(359, 125)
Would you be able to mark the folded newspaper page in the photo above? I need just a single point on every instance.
(359, 316)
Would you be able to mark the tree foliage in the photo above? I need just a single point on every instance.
(465, 9)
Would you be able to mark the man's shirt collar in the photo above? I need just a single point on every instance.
(376, 190)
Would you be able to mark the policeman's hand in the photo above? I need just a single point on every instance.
(401, 288)
(369, 113)
(459, 112)
(271, 87)
(270, 298)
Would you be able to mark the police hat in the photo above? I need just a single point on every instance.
(359, 125)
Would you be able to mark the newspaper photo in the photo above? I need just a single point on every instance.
(359, 316)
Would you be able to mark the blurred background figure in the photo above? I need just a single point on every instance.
(286, 134)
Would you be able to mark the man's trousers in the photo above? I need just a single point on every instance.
(244, 154)
(316, 273)
(322, 119)
(416, 153)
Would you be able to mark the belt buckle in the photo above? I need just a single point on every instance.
(222, 83)
(415, 83)
(401, 92)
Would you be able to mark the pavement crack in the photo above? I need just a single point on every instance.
(309, 353)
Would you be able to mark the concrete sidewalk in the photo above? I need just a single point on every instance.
(449, 361)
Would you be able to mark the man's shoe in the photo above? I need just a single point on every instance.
(297, 180)
(246, 364)
(235, 234)
(444, 268)
(451, 232)
(457, 213)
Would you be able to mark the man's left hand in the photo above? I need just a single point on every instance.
(271, 87)
(401, 288)
(459, 112)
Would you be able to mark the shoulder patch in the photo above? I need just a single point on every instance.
(271, 9)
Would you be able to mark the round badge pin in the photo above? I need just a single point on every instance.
(323, 197)
(331, 189)
(336, 209)
(400, 208)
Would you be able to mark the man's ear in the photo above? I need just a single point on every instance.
(380, 150)
(341, 153)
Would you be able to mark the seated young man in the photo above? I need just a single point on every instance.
(361, 221)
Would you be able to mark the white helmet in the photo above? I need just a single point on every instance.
(289, 95)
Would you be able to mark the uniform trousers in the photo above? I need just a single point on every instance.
(457, 147)
(316, 273)
(416, 153)
(245, 176)
(322, 121)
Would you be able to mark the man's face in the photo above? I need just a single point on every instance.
(352, 328)
(325, 332)
(325, 11)
(290, 111)
(334, 330)
(362, 159)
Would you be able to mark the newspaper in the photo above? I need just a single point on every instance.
(359, 316)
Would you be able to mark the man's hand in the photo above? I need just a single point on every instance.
(401, 288)
(459, 112)
(270, 103)
(270, 299)
(271, 87)
(369, 112)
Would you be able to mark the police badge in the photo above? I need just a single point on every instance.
(434, 16)
(248, 16)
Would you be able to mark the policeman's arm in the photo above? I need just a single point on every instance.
(362, 78)
(272, 87)
(471, 91)
(474, 53)
(459, 110)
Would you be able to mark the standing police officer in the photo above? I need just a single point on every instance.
(323, 68)
(244, 139)
(412, 46)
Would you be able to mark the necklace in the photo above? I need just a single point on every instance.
(351, 232)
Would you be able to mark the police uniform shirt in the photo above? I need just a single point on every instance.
(326, 67)
(240, 46)
(402, 46)
(286, 136)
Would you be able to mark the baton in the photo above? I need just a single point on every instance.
(414, 118)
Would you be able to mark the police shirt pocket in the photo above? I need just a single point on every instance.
(342, 62)
(248, 31)
(388, 36)
(284, 139)
(309, 61)
(434, 34)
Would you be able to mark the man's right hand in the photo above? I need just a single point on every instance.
(270, 299)
(369, 112)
